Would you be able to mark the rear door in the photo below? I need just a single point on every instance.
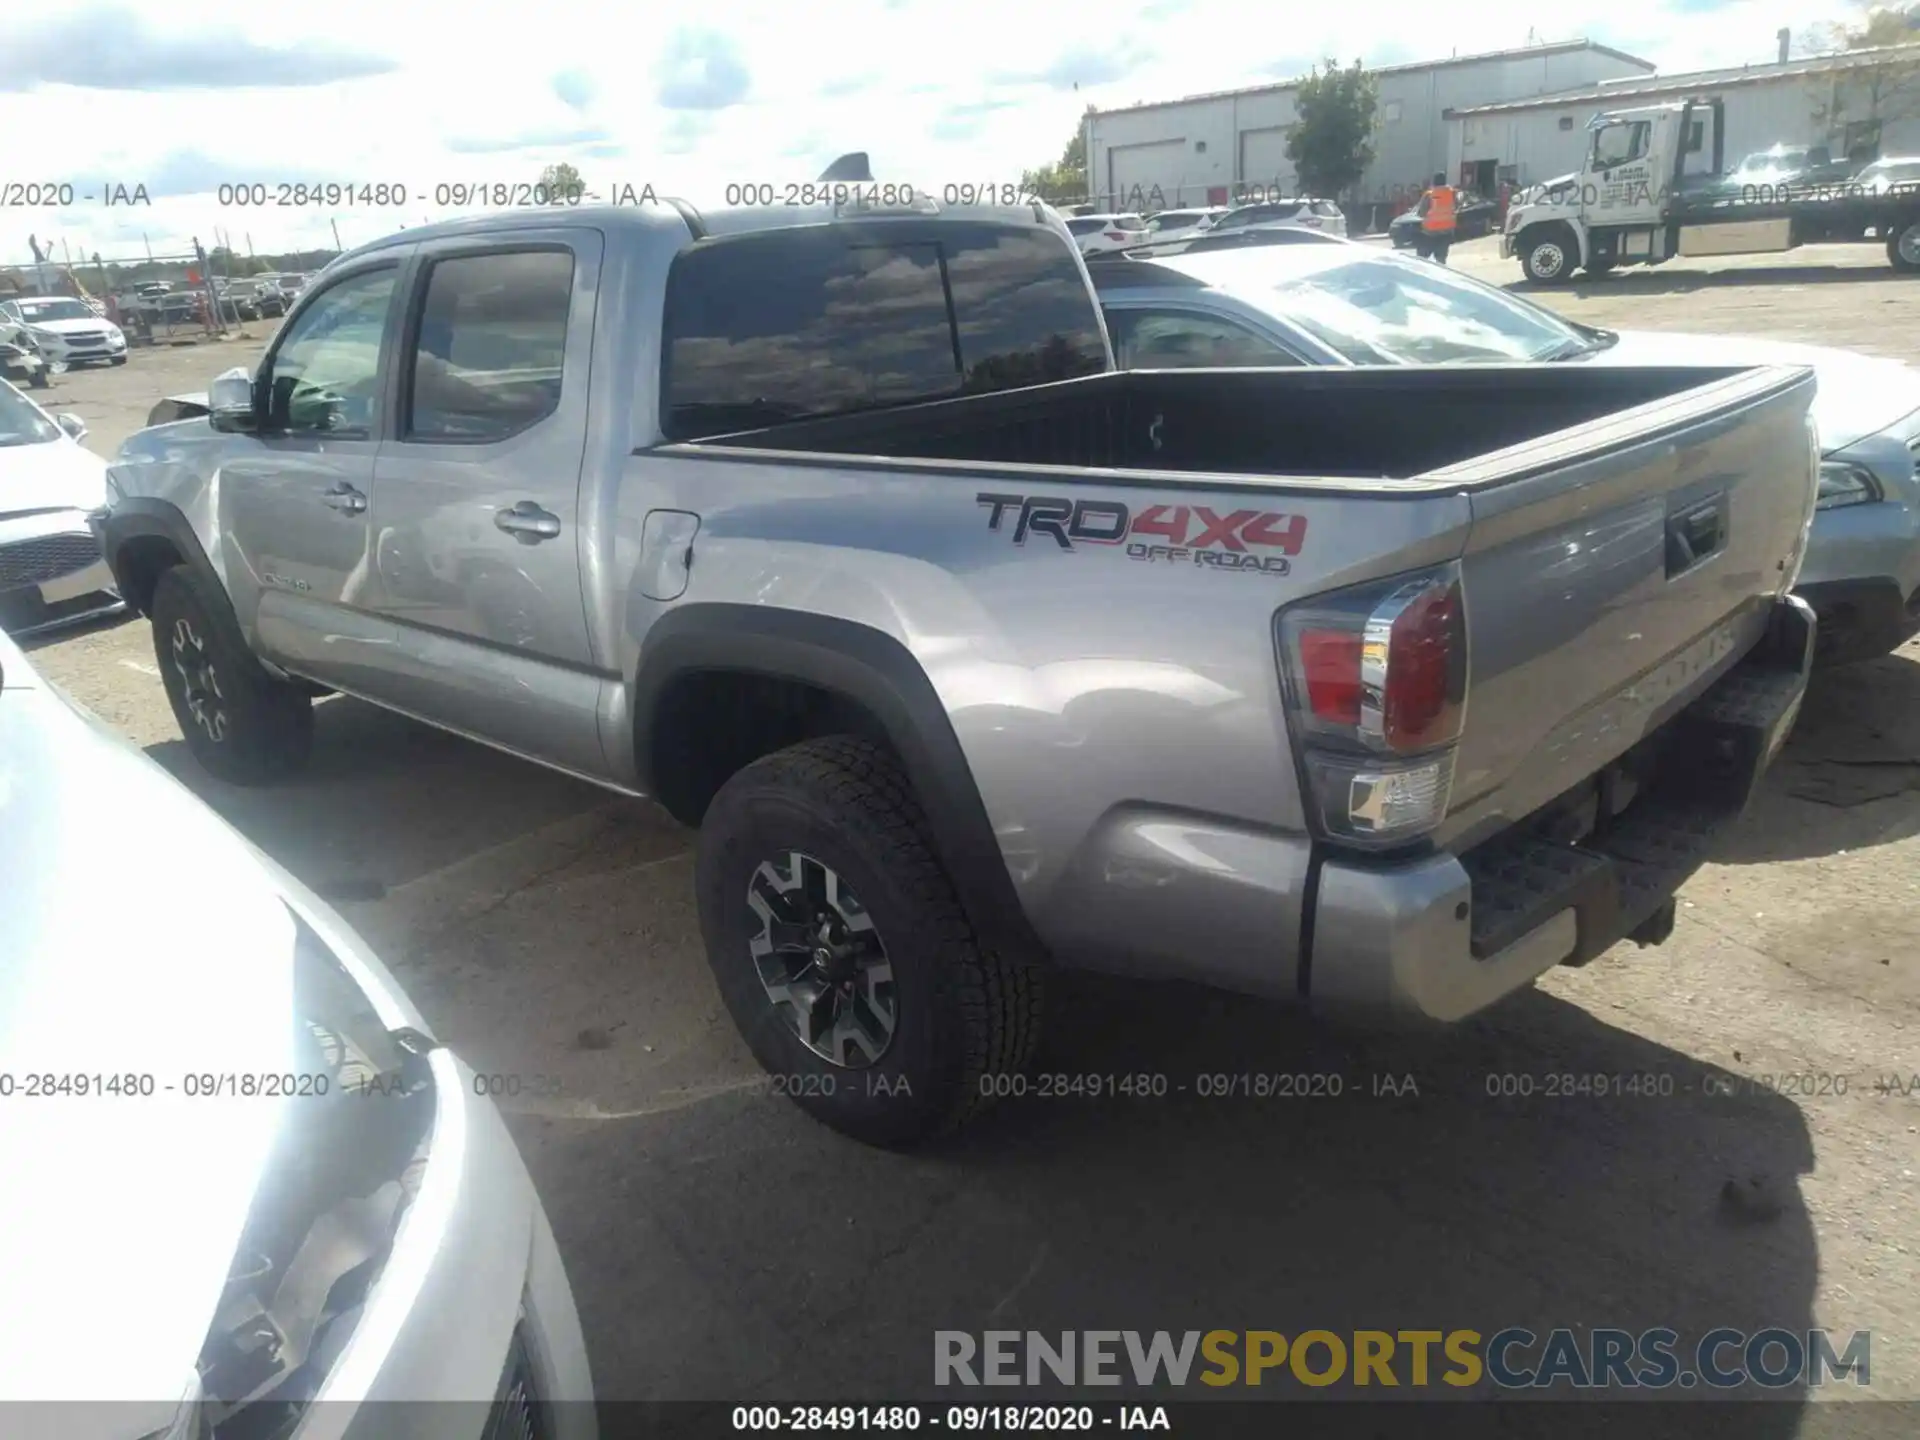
(477, 543)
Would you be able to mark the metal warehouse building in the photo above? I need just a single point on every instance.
(1859, 104)
(1206, 149)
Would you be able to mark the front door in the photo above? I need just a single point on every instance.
(476, 515)
(1625, 189)
(296, 496)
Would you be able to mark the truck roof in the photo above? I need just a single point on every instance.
(671, 213)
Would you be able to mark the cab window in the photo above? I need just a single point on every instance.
(324, 377)
(1620, 144)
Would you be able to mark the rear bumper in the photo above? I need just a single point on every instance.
(1443, 936)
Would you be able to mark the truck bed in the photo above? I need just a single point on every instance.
(1567, 489)
(1267, 427)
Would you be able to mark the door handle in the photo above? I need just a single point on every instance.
(527, 523)
(344, 498)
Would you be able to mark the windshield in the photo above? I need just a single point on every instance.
(1386, 311)
(21, 422)
(38, 310)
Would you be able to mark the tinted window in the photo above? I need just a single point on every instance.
(325, 373)
(1080, 225)
(1177, 339)
(493, 333)
(800, 323)
(1129, 222)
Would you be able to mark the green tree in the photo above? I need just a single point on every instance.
(1331, 142)
(1065, 180)
(562, 179)
(1850, 105)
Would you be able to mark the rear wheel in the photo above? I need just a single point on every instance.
(843, 952)
(1548, 256)
(40, 379)
(241, 724)
(1903, 244)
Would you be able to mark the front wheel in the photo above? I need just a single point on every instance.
(1903, 244)
(241, 724)
(843, 952)
(1548, 258)
(41, 379)
(117, 360)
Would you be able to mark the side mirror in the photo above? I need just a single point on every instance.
(230, 402)
(73, 425)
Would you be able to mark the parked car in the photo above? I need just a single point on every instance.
(51, 571)
(1183, 224)
(22, 364)
(1098, 234)
(1473, 216)
(62, 331)
(1314, 214)
(1321, 306)
(1882, 176)
(1277, 679)
(358, 1228)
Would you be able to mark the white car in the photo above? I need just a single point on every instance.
(242, 1140)
(1099, 234)
(1321, 215)
(51, 571)
(63, 331)
(1183, 224)
(1884, 175)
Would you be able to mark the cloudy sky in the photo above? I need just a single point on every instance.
(683, 96)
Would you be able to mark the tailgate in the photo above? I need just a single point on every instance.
(1612, 573)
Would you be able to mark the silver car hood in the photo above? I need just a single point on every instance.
(1858, 395)
(140, 937)
(56, 475)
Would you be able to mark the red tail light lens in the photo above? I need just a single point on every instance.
(1419, 699)
(1330, 666)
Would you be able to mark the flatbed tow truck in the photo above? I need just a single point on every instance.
(1654, 187)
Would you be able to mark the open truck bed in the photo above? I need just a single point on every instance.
(1623, 541)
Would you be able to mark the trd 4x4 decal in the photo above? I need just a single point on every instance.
(1260, 540)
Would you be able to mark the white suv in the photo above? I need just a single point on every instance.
(1183, 224)
(1099, 234)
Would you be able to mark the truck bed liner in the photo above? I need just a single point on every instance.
(1390, 423)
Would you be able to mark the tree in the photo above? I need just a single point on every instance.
(1851, 105)
(1066, 179)
(562, 180)
(1331, 142)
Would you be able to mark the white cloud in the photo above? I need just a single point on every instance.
(689, 99)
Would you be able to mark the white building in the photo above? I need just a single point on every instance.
(1859, 105)
(1212, 149)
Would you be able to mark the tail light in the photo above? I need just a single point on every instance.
(1116, 234)
(1375, 681)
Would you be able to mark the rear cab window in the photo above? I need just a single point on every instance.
(824, 320)
(487, 352)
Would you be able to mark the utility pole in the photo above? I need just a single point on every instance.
(338, 248)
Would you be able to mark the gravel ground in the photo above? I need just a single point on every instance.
(724, 1247)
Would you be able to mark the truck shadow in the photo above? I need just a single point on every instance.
(782, 1263)
(387, 800)
(1680, 282)
(1849, 776)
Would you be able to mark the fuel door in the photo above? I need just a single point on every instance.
(666, 553)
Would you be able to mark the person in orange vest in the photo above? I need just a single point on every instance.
(1438, 209)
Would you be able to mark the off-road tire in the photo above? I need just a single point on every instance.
(254, 729)
(968, 1015)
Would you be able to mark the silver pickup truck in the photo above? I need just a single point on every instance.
(835, 531)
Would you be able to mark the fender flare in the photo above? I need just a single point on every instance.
(870, 669)
(144, 517)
